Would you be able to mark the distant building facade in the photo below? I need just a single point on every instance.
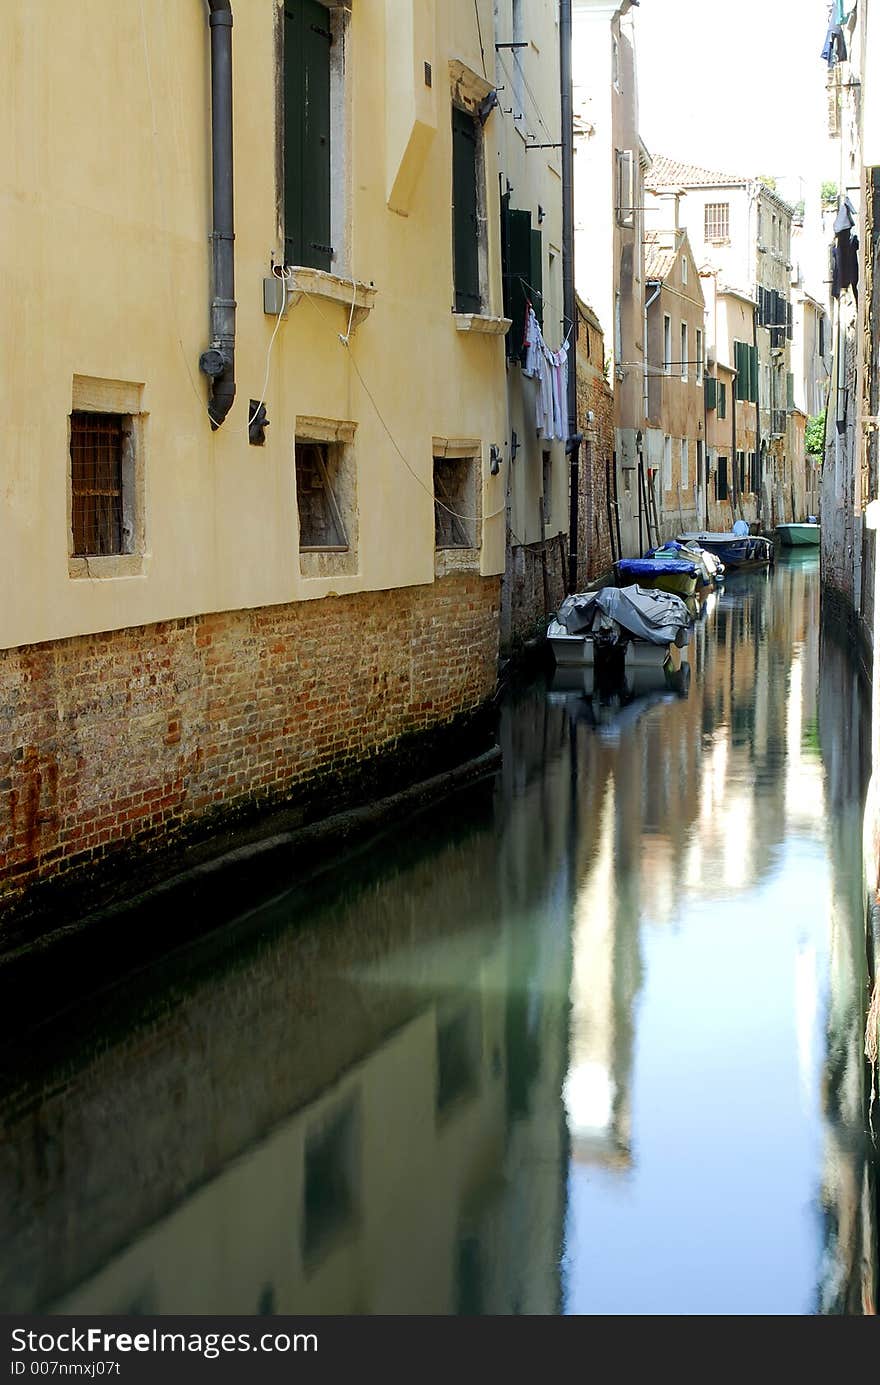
(741, 230)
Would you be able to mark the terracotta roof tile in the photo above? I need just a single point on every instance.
(672, 173)
(659, 257)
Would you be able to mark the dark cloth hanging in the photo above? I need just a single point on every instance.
(835, 45)
(845, 252)
(845, 265)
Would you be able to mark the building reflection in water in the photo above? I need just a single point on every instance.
(586, 1040)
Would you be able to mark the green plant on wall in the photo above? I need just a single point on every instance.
(815, 435)
(829, 194)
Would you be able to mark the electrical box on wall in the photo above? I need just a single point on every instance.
(274, 292)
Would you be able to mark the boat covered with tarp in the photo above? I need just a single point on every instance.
(661, 571)
(609, 619)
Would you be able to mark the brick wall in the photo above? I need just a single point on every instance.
(127, 737)
(594, 397)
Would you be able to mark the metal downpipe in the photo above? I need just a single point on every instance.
(218, 362)
(573, 444)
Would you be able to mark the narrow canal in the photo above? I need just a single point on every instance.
(587, 1038)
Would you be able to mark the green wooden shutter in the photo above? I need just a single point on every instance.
(536, 275)
(753, 374)
(307, 40)
(466, 227)
(741, 383)
(722, 399)
(711, 388)
(520, 261)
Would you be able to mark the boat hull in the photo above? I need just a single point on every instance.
(799, 535)
(656, 577)
(735, 551)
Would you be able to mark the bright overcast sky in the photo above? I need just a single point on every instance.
(737, 85)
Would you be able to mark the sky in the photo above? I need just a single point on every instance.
(737, 85)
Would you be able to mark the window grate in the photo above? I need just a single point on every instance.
(96, 447)
(717, 221)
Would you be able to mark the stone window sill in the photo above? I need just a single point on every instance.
(480, 322)
(107, 566)
(334, 289)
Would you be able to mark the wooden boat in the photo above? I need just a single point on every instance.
(735, 550)
(665, 572)
(799, 535)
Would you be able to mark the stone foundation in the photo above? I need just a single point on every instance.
(124, 741)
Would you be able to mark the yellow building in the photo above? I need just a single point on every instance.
(206, 612)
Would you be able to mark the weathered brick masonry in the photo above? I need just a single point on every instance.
(127, 737)
(594, 397)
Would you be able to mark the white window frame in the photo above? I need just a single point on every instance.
(667, 344)
(683, 463)
(699, 356)
(683, 363)
(667, 464)
(684, 270)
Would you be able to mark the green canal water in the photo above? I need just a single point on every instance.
(586, 1038)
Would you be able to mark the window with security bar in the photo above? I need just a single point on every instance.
(717, 221)
(322, 525)
(98, 446)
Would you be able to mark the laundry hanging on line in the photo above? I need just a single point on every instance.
(845, 252)
(550, 369)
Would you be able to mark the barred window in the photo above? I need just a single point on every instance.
(717, 221)
(97, 445)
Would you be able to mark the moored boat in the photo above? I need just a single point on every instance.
(804, 535)
(734, 550)
(601, 625)
(668, 572)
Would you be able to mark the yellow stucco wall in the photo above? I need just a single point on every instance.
(105, 263)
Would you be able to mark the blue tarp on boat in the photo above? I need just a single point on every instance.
(649, 567)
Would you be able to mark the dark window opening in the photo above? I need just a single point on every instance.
(721, 479)
(454, 502)
(459, 1051)
(97, 443)
(321, 525)
(307, 145)
(722, 399)
(465, 212)
(330, 1201)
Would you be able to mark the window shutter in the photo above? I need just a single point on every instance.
(789, 390)
(625, 187)
(466, 240)
(519, 249)
(722, 399)
(789, 322)
(753, 373)
(307, 41)
(741, 384)
(536, 275)
(711, 388)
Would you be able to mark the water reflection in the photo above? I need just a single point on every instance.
(587, 1040)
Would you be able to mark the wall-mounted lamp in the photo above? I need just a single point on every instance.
(514, 444)
(487, 106)
(494, 459)
(541, 214)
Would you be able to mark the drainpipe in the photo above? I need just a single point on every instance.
(572, 446)
(759, 460)
(218, 362)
